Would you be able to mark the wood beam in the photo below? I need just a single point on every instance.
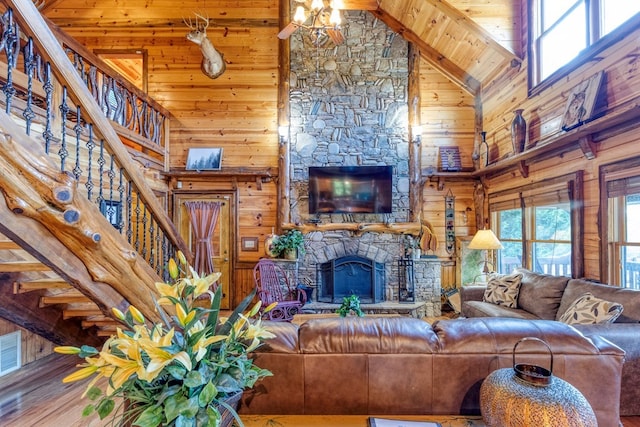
(415, 139)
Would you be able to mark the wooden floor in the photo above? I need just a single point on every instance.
(35, 396)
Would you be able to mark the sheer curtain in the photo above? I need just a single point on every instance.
(204, 217)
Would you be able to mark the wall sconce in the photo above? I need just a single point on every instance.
(283, 133)
(416, 134)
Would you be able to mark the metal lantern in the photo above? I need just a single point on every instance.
(529, 395)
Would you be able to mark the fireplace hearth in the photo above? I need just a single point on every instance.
(351, 274)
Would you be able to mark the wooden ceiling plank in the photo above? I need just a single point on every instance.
(470, 25)
(435, 58)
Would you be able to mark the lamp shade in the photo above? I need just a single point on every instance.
(485, 239)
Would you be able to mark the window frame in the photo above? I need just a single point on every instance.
(595, 44)
(609, 245)
(573, 184)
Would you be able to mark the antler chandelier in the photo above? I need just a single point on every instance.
(321, 18)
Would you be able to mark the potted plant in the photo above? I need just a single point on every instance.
(289, 245)
(350, 305)
(189, 369)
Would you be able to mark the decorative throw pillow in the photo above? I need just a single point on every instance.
(590, 310)
(503, 289)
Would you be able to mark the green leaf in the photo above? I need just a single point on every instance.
(88, 410)
(87, 351)
(177, 371)
(193, 379)
(173, 405)
(183, 421)
(150, 417)
(105, 407)
(208, 393)
(94, 393)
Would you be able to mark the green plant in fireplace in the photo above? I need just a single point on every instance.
(350, 305)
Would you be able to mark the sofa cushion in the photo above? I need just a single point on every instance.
(629, 298)
(487, 309)
(588, 309)
(541, 294)
(503, 289)
(370, 334)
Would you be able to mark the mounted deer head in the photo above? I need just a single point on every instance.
(213, 64)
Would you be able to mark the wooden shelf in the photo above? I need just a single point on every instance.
(619, 119)
(224, 172)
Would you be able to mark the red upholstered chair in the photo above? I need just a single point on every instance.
(273, 286)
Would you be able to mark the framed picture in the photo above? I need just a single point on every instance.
(202, 159)
(249, 244)
(112, 210)
(581, 101)
(450, 159)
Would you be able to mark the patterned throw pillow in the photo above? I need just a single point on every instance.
(590, 310)
(503, 289)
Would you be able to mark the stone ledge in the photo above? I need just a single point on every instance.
(413, 309)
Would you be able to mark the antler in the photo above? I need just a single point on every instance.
(196, 27)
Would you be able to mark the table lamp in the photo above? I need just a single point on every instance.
(487, 241)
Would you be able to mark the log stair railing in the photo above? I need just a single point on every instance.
(91, 232)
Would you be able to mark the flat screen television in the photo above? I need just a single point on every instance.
(350, 189)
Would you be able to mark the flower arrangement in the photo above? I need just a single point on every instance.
(177, 372)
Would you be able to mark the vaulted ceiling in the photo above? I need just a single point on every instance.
(470, 41)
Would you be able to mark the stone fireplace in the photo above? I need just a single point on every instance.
(349, 107)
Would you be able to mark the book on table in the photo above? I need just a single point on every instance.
(388, 422)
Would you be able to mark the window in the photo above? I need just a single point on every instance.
(623, 238)
(561, 29)
(535, 226)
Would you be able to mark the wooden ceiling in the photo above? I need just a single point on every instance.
(470, 41)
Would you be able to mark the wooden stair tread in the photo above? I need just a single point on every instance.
(21, 266)
(63, 299)
(39, 284)
(9, 244)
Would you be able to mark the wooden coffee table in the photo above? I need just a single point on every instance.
(352, 420)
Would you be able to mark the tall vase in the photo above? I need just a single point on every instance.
(518, 132)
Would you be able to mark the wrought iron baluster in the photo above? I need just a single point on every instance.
(9, 42)
(121, 189)
(48, 90)
(90, 146)
(77, 170)
(94, 87)
(145, 220)
(136, 243)
(64, 111)
(29, 66)
(101, 163)
(129, 211)
(152, 242)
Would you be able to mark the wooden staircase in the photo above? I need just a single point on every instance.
(35, 278)
(63, 265)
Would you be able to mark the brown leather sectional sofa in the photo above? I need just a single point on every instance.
(401, 365)
(548, 297)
